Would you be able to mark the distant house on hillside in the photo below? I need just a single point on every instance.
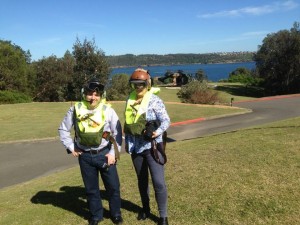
(177, 79)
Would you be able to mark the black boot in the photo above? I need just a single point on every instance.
(94, 222)
(163, 221)
(143, 215)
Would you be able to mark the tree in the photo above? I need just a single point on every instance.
(46, 79)
(118, 88)
(240, 75)
(200, 75)
(278, 60)
(15, 73)
(68, 69)
(53, 75)
(90, 62)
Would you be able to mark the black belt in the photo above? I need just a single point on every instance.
(95, 152)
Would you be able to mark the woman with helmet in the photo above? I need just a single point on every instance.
(97, 141)
(144, 107)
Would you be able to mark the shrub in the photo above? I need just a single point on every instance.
(198, 93)
(205, 97)
(12, 97)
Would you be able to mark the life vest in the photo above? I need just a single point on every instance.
(135, 114)
(89, 124)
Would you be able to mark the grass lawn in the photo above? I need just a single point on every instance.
(244, 177)
(226, 91)
(169, 94)
(236, 91)
(30, 121)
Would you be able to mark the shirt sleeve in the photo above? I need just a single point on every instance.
(161, 114)
(64, 130)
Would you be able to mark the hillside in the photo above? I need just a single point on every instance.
(175, 59)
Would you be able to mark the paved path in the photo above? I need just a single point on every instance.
(24, 161)
(263, 111)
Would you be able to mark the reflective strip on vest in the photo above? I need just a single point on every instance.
(90, 121)
(131, 115)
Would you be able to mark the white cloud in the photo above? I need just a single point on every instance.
(244, 36)
(289, 5)
(254, 11)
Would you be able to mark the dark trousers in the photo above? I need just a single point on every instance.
(90, 166)
(142, 163)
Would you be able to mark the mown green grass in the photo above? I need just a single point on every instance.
(226, 91)
(30, 121)
(237, 91)
(169, 94)
(244, 177)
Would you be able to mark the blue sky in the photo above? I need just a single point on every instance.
(144, 26)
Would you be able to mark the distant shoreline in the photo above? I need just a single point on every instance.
(179, 64)
(213, 71)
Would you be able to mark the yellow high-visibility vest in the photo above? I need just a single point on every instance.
(89, 123)
(135, 114)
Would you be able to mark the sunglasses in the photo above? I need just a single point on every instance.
(138, 85)
(95, 86)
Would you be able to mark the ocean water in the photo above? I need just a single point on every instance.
(214, 72)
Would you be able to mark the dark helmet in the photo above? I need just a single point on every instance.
(140, 76)
(94, 85)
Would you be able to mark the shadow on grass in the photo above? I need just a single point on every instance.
(73, 199)
(68, 198)
(170, 140)
(240, 90)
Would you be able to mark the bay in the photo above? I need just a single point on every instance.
(214, 72)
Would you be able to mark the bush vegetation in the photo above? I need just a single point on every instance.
(12, 97)
(198, 92)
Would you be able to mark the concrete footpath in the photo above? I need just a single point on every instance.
(23, 161)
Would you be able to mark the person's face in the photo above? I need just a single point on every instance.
(93, 97)
(140, 88)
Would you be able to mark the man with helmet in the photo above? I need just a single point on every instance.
(97, 141)
(143, 107)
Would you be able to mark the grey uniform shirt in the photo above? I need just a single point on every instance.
(112, 125)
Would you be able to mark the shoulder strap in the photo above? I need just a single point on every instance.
(106, 135)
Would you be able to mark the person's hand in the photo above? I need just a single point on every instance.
(110, 159)
(154, 134)
(76, 152)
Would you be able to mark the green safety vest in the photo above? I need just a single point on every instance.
(135, 115)
(89, 124)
